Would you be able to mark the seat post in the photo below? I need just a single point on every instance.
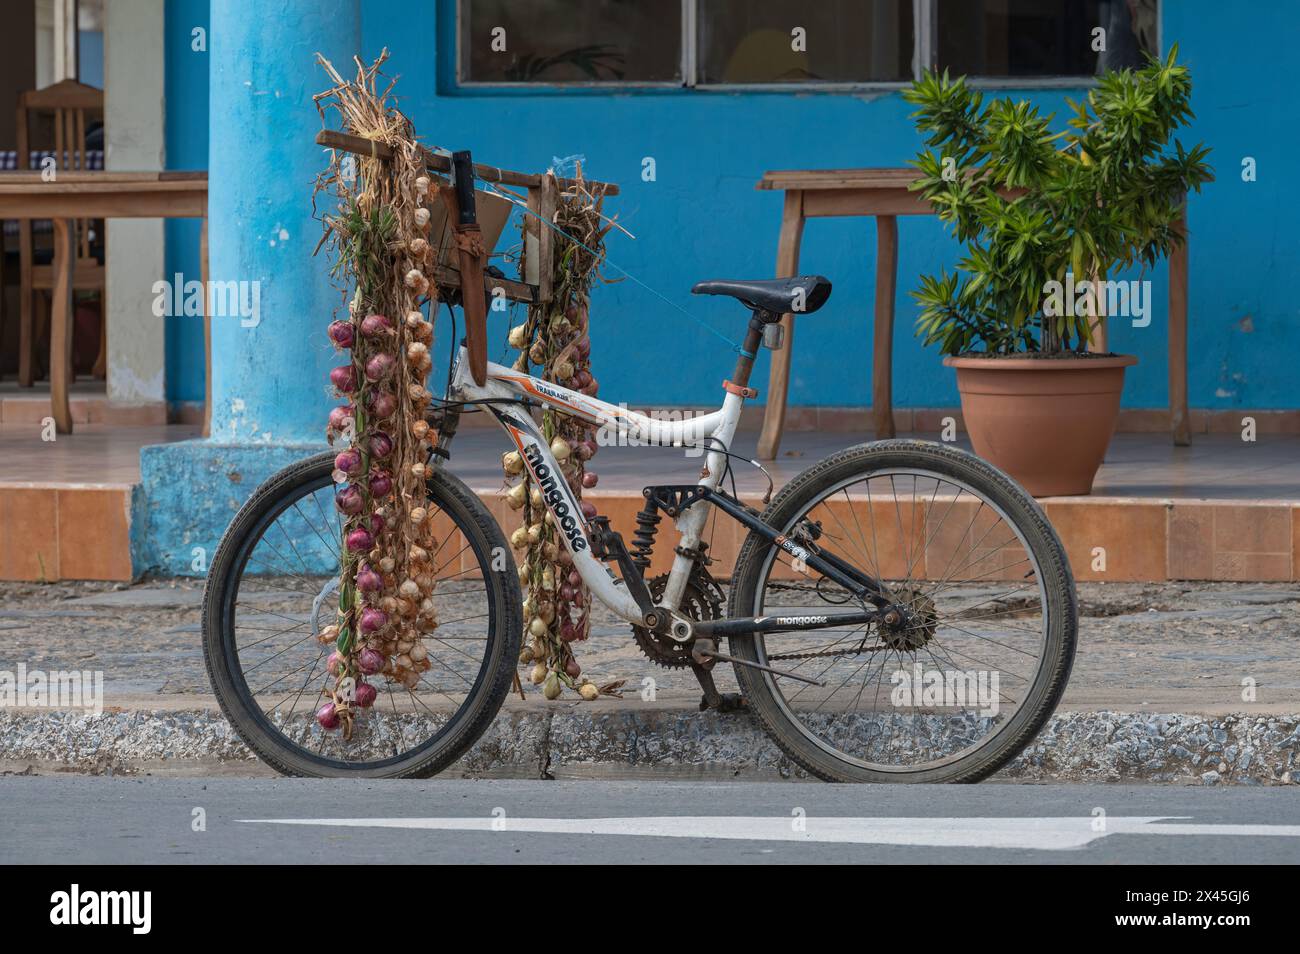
(749, 350)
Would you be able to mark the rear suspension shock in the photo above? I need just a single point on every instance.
(643, 538)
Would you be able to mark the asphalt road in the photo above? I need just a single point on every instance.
(80, 820)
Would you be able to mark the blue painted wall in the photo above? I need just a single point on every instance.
(90, 58)
(187, 148)
(702, 217)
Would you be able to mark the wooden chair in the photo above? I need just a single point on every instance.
(70, 105)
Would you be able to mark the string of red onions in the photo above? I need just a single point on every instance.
(387, 578)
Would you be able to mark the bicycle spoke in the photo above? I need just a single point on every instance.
(928, 689)
(277, 607)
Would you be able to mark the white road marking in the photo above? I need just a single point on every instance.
(1046, 834)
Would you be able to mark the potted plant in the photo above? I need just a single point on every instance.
(1045, 217)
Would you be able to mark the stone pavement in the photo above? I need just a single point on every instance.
(1156, 693)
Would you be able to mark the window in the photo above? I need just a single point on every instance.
(582, 42)
(831, 44)
(1011, 38)
(842, 41)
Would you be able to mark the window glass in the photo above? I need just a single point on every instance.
(827, 41)
(1043, 37)
(570, 41)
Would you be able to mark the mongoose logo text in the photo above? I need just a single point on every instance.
(556, 499)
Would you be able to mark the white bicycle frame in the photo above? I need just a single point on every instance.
(714, 430)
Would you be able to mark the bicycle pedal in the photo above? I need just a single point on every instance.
(727, 702)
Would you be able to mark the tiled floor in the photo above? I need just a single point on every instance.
(1222, 509)
(94, 454)
(1216, 467)
(87, 401)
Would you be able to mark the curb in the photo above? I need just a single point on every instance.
(1074, 746)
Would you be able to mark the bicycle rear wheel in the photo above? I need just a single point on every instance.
(272, 588)
(960, 687)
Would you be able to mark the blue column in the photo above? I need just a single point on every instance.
(269, 379)
(270, 359)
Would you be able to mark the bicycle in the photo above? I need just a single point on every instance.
(968, 628)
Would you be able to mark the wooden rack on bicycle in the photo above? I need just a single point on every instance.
(543, 196)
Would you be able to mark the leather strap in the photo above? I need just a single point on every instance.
(472, 256)
(737, 389)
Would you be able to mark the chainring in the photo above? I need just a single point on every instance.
(702, 600)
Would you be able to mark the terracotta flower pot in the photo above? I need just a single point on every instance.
(1045, 421)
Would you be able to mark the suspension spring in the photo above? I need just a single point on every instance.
(643, 538)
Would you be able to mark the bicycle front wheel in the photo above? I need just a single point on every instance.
(272, 587)
(960, 686)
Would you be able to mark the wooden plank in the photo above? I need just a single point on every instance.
(61, 328)
(26, 337)
(68, 94)
(533, 239)
(1178, 414)
(778, 381)
(359, 145)
(876, 178)
(92, 182)
(137, 204)
(882, 373)
(834, 203)
(547, 202)
(515, 291)
(87, 273)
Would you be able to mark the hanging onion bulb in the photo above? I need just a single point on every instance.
(379, 367)
(360, 540)
(349, 500)
(374, 326)
(342, 333)
(365, 695)
(327, 716)
(381, 445)
(383, 404)
(344, 379)
(370, 661)
(381, 483)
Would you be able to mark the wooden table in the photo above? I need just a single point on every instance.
(884, 194)
(97, 195)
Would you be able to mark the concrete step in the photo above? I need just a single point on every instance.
(619, 740)
(60, 531)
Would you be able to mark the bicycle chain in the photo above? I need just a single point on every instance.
(826, 652)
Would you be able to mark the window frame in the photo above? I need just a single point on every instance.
(924, 19)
